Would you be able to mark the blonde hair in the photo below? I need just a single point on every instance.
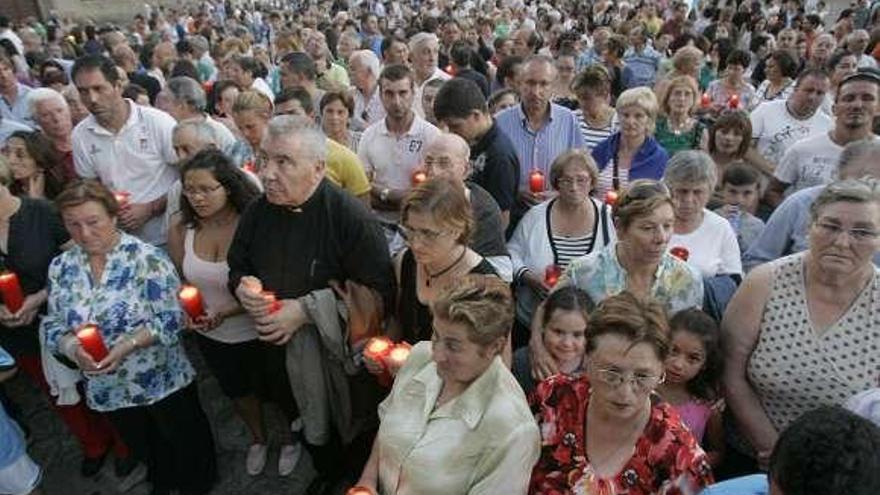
(255, 101)
(443, 200)
(641, 198)
(481, 303)
(642, 98)
(686, 82)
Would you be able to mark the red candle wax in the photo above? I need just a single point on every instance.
(122, 197)
(705, 101)
(191, 300)
(276, 304)
(536, 181)
(552, 274)
(680, 252)
(10, 288)
(89, 337)
(611, 198)
(418, 177)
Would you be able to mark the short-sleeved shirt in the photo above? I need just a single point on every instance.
(713, 247)
(18, 110)
(368, 109)
(345, 170)
(775, 129)
(809, 162)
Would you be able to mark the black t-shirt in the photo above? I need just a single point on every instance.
(476, 77)
(496, 167)
(35, 238)
(488, 237)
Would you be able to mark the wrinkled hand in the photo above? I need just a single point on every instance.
(250, 293)
(205, 323)
(133, 216)
(279, 327)
(25, 314)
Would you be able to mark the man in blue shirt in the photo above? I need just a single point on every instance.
(18, 473)
(642, 59)
(13, 95)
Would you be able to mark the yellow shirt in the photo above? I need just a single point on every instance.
(345, 170)
(485, 441)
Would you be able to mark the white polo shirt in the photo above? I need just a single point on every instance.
(138, 159)
(390, 160)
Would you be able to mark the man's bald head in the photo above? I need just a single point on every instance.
(448, 156)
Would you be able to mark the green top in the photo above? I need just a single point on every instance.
(672, 142)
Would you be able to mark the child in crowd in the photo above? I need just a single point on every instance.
(19, 475)
(693, 373)
(740, 190)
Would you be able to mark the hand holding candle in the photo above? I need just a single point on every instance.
(10, 289)
(89, 336)
(551, 275)
(418, 177)
(375, 357)
(123, 198)
(733, 102)
(274, 303)
(191, 300)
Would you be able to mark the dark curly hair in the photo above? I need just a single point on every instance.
(705, 385)
(828, 450)
(239, 188)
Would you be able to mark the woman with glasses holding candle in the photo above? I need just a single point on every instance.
(605, 432)
(639, 262)
(127, 289)
(456, 421)
(215, 193)
(552, 233)
(801, 331)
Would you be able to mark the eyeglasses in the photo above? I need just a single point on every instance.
(568, 181)
(857, 235)
(200, 191)
(615, 379)
(410, 234)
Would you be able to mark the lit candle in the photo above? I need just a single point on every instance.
(122, 197)
(733, 102)
(378, 349)
(10, 288)
(359, 490)
(249, 167)
(705, 100)
(191, 300)
(89, 336)
(680, 252)
(552, 274)
(398, 355)
(536, 181)
(611, 198)
(270, 297)
(418, 177)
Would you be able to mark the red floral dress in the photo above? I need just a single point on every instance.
(667, 458)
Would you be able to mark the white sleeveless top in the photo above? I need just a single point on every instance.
(211, 278)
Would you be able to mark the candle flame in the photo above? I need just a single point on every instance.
(378, 345)
(188, 292)
(399, 354)
(7, 276)
(87, 331)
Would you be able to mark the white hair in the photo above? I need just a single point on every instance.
(368, 58)
(43, 94)
(420, 39)
(310, 137)
(203, 130)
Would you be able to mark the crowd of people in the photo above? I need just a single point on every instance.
(462, 246)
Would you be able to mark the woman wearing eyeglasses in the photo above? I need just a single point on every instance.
(801, 331)
(608, 433)
(638, 262)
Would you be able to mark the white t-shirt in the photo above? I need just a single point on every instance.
(263, 87)
(138, 159)
(809, 162)
(776, 130)
(713, 247)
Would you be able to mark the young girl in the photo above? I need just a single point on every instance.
(564, 327)
(693, 372)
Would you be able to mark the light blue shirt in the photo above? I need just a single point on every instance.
(7, 127)
(538, 149)
(755, 484)
(17, 110)
(644, 65)
(11, 441)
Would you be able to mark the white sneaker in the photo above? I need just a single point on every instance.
(288, 458)
(256, 459)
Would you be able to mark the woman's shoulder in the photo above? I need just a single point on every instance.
(561, 392)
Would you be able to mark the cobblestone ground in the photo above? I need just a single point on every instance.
(58, 452)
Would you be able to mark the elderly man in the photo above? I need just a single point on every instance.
(52, 115)
(184, 99)
(334, 238)
(125, 146)
(448, 156)
(424, 51)
(856, 43)
(392, 148)
(364, 68)
(13, 94)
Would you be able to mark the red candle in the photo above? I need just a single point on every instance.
(418, 177)
(611, 198)
(378, 349)
(399, 355)
(359, 490)
(680, 252)
(733, 102)
(122, 197)
(705, 100)
(10, 288)
(191, 300)
(249, 167)
(552, 274)
(270, 297)
(89, 336)
(536, 181)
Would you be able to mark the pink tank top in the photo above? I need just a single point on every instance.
(695, 414)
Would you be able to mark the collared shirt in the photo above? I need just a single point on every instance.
(644, 65)
(368, 109)
(483, 441)
(17, 110)
(677, 285)
(138, 289)
(538, 149)
(137, 159)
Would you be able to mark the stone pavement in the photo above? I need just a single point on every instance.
(59, 454)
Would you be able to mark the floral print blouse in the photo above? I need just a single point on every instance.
(676, 286)
(667, 459)
(138, 288)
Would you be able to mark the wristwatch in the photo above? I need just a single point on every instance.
(383, 194)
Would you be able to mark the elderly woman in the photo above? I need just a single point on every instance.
(800, 331)
(126, 290)
(733, 91)
(632, 152)
(781, 68)
(638, 262)
(456, 421)
(602, 432)
(252, 111)
(677, 129)
(336, 109)
(37, 169)
(708, 238)
(552, 233)
(592, 87)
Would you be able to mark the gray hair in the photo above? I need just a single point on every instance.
(864, 190)
(421, 38)
(690, 166)
(203, 130)
(368, 58)
(859, 158)
(188, 90)
(310, 137)
(38, 95)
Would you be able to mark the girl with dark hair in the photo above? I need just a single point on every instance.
(215, 193)
(37, 171)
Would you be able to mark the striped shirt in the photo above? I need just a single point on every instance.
(595, 135)
(606, 180)
(538, 149)
(569, 248)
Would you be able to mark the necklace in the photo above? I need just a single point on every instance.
(678, 129)
(432, 276)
